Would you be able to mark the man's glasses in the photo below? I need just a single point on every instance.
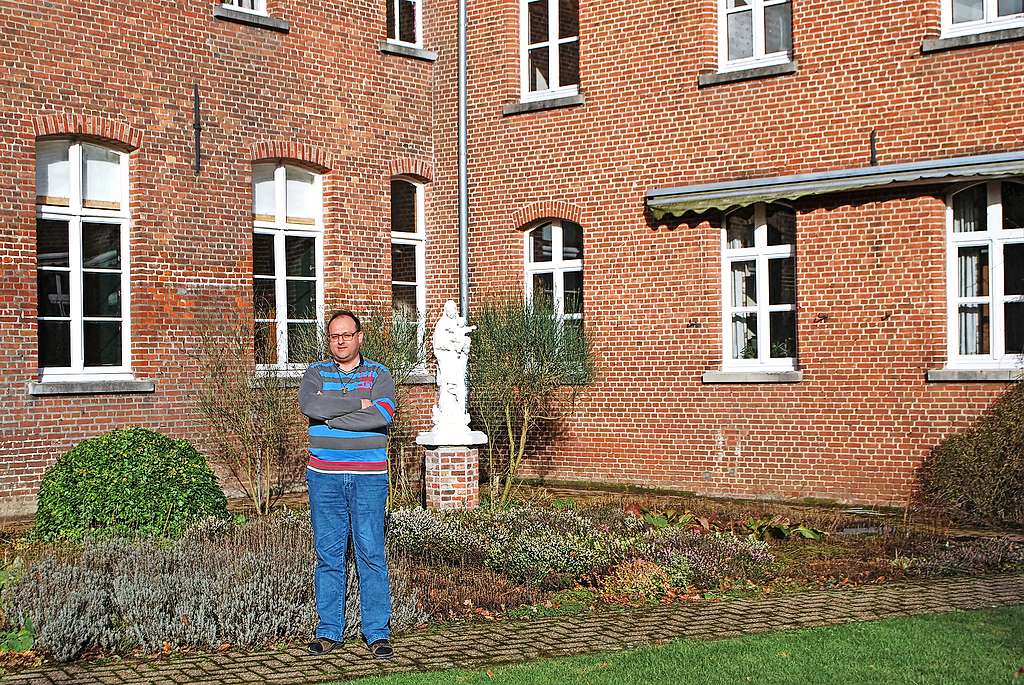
(335, 337)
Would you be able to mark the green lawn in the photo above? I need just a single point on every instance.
(962, 648)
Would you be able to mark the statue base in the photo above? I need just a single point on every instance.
(452, 468)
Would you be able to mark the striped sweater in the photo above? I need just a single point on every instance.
(344, 437)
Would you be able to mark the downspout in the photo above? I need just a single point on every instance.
(463, 175)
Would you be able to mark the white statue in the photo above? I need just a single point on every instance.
(451, 348)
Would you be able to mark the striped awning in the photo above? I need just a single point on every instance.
(698, 199)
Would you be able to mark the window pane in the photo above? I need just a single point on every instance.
(300, 256)
(262, 254)
(403, 263)
(973, 267)
(974, 324)
(1013, 323)
(101, 246)
(301, 299)
(300, 349)
(970, 210)
(101, 179)
(568, 18)
(782, 333)
(52, 243)
(403, 298)
(744, 336)
(968, 10)
(1013, 269)
(265, 343)
(53, 293)
(569, 64)
(572, 292)
(1010, 7)
(739, 229)
(540, 244)
(1013, 204)
(264, 298)
(54, 343)
(781, 225)
(782, 281)
(406, 22)
(539, 67)
(403, 207)
(301, 199)
(543, 290)
(778, 28)
(572, 241)
(744, 284)
(53, 172)
(392, 33)
(101, 294)
(264, 203)
(741, 39)
(538, 18)
(102, 342)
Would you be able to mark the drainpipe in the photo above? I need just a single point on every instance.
(463, 176)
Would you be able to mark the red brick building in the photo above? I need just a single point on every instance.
(793, 227)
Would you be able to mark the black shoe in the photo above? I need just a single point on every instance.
(322, 645)
(381, 649)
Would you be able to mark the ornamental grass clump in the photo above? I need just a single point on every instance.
(129, 482)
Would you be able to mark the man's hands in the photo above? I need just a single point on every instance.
(366, 403)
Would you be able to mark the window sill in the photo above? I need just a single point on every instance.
(719, 77)
(92, 387)
(407, 51)
(974, 375)
(971, 39)
(538, 105)
(752, 377)
(250, 19)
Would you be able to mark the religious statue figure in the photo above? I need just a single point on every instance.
(451, 348)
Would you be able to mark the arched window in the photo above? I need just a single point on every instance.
(554, 267)
(287, 261)
(408, 253)
(759, 288)
(82, 259)
(985, 271)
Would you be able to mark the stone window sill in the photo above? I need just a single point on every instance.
(752, 377)
(407, 51)
(92, 387)
(974, 375)
(250, 19)
(719, 77)
(539, 105)
(968, 41)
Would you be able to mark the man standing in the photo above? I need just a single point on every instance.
(350, 402)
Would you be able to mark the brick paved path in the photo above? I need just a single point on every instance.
(475, 646)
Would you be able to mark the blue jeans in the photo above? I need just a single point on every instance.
(339, 503)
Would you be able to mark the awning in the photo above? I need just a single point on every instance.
(700, 198)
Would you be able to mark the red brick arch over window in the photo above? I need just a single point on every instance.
(546, 209)
(87, 125)
(413, 168)
(308, 155)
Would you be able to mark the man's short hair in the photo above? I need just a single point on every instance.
(345, 312)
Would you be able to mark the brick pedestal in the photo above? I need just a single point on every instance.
(452, 477)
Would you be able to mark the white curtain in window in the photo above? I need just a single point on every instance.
(301, 197)
(101, 177)
(53, 171)
(263, 204)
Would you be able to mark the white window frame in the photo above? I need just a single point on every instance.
(761, 253)
(558, 267)
(418, 11)
(995, 238)
(75, 213)
(553, 41)
(259, 6)
(991, 21)
(280, 228)
(759, 58)
(419, 241)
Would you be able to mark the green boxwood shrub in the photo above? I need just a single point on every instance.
(130, 481)
(979, 473)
